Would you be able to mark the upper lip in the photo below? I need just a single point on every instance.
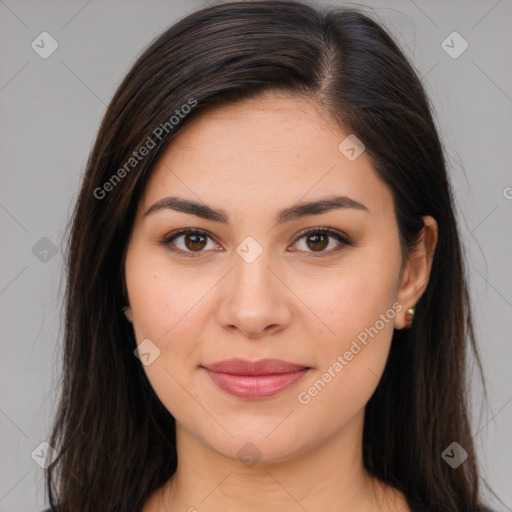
(262, 367)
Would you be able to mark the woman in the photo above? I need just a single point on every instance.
(266, 306)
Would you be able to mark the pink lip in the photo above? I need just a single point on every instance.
(257, 379)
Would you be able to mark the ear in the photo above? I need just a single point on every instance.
(128, 313)
(417, 270)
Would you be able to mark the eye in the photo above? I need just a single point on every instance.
(318, 239)
(194, 241)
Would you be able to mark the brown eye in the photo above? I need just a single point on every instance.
(317, 240)
(194, 241)
(189, 242)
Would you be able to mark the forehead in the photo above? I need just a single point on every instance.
(261, 152)
(268, 123)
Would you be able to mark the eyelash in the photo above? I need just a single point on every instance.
(341, 238)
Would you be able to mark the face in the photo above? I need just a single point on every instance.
(322, 290)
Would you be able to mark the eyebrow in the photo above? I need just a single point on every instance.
(294, 212)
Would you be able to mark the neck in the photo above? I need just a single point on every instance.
(328, 477)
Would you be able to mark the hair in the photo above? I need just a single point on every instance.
(115, 440)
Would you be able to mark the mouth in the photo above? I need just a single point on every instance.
(255, 379)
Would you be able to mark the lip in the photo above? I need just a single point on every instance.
(255, 379)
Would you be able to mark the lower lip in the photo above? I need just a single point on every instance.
(257, 386)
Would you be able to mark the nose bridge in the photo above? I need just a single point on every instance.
(251, 275)
(254, 298)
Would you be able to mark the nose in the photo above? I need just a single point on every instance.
(254, 300)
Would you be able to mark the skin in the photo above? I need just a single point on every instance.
(252, 159)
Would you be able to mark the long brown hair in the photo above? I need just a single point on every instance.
(115, 440)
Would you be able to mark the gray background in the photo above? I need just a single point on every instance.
(51, 110)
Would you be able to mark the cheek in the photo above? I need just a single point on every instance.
(349, 302)
(166, 311)
(350, 361)
(357, 309)
(164, 297)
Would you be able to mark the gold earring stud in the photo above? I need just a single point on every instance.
(409, 316)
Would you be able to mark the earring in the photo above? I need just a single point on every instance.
(128, 313)
(409, 316)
